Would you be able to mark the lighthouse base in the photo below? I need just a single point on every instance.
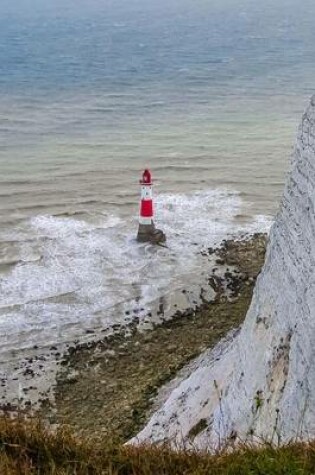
(149, 233)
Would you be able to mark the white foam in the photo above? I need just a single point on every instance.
(73, 275)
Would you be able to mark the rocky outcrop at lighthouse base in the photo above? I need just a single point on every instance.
(149, 233)
(262, 384)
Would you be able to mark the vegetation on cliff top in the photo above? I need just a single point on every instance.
(29, 449)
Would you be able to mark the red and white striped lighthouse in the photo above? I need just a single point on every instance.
(147, 230)
(146, 204)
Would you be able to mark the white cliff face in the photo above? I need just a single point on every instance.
(264, 381)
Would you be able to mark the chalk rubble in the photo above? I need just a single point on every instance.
(263, 383)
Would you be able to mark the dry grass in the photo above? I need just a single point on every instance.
(28, 448)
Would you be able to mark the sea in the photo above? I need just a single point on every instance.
(208, 94)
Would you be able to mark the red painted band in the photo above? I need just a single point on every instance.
(146, 210)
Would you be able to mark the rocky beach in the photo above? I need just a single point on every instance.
(111, 386)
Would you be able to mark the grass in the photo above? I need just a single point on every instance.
(27, 448)
(116, 398)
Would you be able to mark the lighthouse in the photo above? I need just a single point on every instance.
(147, 230)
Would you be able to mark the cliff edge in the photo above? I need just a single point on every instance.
(263, 383)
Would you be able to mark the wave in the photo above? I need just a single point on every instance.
(70, 274)
(17, 182)
(9, 262)
(181, 167)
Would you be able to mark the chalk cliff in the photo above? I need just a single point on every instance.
(263, 381)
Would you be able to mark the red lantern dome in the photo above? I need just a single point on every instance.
(146, 178)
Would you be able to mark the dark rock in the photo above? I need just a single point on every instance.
(149, 233)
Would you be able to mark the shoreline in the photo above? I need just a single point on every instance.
(111, 387)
